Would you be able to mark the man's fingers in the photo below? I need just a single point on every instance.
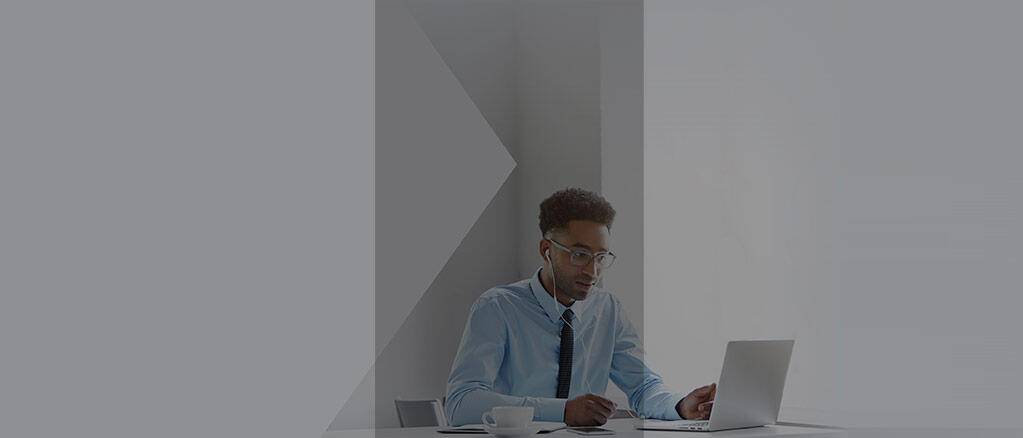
(594, 418)
(704, 410)
(701, 391)
(610, 405)
(706, 392)
(597, 407)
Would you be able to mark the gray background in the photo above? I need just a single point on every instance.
(186, 216)
(845, 173)
(187, 219)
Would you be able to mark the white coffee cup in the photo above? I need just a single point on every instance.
(508, 416)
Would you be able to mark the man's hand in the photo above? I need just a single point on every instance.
(588, 410)
(697, 405)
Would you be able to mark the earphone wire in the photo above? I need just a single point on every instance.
(555, 292)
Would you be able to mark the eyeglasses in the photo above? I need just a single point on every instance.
(603, 260)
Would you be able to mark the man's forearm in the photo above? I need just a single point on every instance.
(653, 399)
(661, 404)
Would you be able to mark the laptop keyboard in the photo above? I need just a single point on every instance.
(674, 425)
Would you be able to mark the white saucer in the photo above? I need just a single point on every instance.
(513, 432)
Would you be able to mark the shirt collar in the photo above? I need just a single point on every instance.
(550, 306)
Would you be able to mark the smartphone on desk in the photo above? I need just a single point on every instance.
(589, 430)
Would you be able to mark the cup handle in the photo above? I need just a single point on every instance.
(491, 417)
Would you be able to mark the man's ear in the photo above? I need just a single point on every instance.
(545, 249)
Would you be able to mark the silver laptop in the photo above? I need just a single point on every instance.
(749, 390)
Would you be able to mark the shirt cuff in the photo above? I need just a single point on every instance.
(548, 409)
(671, 413)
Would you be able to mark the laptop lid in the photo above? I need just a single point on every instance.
(750, 388)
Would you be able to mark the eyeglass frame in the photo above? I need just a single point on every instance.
(591, 257)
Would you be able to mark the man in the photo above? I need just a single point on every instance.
(553, 340)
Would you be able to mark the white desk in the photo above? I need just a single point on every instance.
(623, 428)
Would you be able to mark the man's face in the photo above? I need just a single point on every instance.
(576, 282)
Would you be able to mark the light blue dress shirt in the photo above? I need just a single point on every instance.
(509, 356)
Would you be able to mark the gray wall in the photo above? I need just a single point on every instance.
(474, 44)
(186, 216)
(558, 86)
(845, 173)
(533, 69)
(621, 126)
(477, 41)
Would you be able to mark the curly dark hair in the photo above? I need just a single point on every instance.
(572, 204)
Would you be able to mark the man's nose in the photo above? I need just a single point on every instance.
(591, 267)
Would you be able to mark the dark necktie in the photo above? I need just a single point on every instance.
(565, 357)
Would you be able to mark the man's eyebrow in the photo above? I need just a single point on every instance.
(587, 247)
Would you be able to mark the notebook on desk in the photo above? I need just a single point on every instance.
(547, 427)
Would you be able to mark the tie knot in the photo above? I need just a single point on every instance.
(568, 314)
